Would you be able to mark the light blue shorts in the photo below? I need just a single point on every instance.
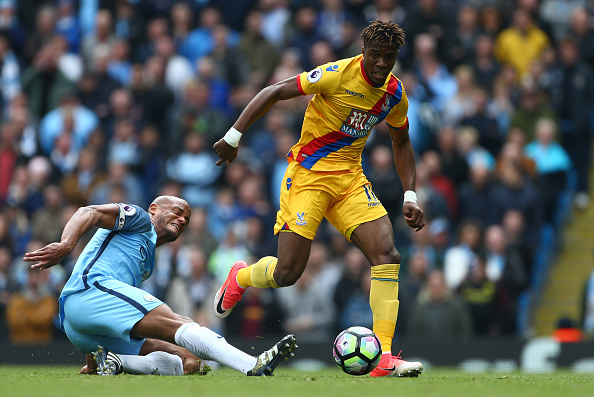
(105, 314)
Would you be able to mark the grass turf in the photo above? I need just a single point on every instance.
(45, 381)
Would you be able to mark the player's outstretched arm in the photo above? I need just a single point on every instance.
(404, 160)
(83, 220)
(226, 147)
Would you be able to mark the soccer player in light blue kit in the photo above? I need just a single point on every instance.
(103, 311)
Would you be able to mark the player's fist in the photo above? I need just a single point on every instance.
(413, 215)
(225, 152)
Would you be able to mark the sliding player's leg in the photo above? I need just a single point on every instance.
(162, 323)
(120, 317)
(156, 357)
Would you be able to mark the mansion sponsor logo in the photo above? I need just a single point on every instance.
(359, 123)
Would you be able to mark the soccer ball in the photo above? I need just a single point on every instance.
(357, 350)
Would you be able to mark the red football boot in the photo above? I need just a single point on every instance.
(390, 365)
(230, 292)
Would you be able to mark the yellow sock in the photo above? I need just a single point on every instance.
(260, 274)
(384, 303)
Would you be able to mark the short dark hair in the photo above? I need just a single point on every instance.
(383, 32)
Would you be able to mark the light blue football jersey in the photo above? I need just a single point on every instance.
(125, 253)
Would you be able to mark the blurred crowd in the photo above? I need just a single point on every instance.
(121, 100)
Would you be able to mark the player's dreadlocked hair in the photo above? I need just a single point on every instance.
(383, 32)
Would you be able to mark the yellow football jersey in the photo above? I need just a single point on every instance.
(342, 113)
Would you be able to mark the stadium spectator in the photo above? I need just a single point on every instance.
(10, 75)
(70, 118)
(453, 163)
(119, 66)
(46, 223)
(124, 147)
(30, 312)
(438, 313)
(424, 120)
(353, 270)
(155, 30)
(552, 164)
(521, 43)
(8, 158)
(307, 314)
(483, 63)
(44, 83)
(199, 42)
(469, 146)
(572, 99)
(101, 39)
(67, 24)
(490, 137)
(77, 185)
(178, 71)
(583, 35)
(431, 71)
(7, 284)
(199, 234)
(385, 10)
(441, 183)
(194, 168)
(333, 14)
(461, 257)
(182, 18)
(480, 295)
(384, 179)
(119, 180)
(513, 152)
(305, 34)
(557, 14)
(516, 191)
(260, 55)
(429, 18)
(42, 34)
(460, 45)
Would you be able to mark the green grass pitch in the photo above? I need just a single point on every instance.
(46, 381)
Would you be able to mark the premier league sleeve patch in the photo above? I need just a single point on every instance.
(129, 210)
(125, 211)
(315, 75)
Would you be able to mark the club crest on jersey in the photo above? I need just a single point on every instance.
(386, 106)
(315, 75)
(301, 219)
(150, 298)
(359, 123)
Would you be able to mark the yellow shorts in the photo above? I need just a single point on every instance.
(344, 198)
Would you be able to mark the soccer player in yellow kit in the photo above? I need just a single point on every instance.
(325, 178)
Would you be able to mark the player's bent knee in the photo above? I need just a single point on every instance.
(286, 278)
(390, 255)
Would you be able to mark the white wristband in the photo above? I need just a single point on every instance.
(232, 137)
(410, 197)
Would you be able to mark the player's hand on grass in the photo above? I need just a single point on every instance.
(413, 215)
(226, 152)
(90, 368)
(48, 256)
